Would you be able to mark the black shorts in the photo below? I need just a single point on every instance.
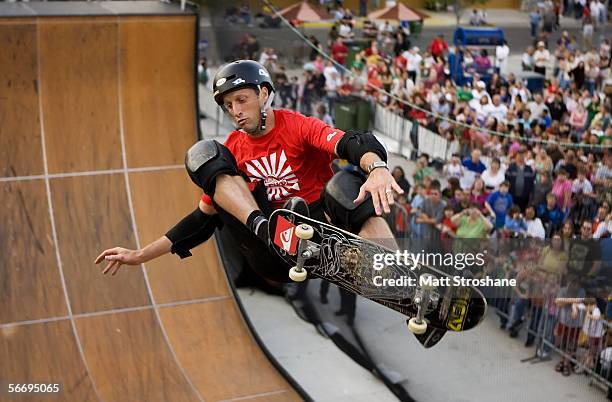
(257, 254)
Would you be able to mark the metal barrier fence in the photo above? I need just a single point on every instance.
(394, 130)
(220, 122)
(402, 136)
(573, 328)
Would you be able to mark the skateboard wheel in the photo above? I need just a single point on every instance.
(297, 276)
(415, 327)
(304, 231)
(423, 285)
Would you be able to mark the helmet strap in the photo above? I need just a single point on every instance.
(264, 114)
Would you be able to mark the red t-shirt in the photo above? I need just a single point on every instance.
(438, 46)
(400, 62)
(294, 159)
(339, 52)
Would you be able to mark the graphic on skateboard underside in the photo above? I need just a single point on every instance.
(346, 260)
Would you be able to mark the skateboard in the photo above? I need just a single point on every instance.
(320, 250)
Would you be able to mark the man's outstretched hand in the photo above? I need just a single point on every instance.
(381, 185)
(117, 257)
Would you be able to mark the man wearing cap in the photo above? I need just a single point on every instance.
(541, 58)
(413, 62)
(478, 92)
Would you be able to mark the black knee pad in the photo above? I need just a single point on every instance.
(206, 160)
(338, 196)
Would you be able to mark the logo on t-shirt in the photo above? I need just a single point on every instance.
(331, 135)
(276, 173)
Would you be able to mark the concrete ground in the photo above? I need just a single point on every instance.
(479, 365)
(482, 364)
(325, 372)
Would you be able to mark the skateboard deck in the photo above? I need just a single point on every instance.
(320, 250)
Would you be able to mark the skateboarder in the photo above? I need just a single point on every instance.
(274, 159)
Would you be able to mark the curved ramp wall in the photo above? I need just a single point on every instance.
(96, 113)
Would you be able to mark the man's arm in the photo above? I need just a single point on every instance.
(488, 207)
(455, 219)
(191, 231)
(487, 223)
(360, 149)
(424, 218)
(363, 150)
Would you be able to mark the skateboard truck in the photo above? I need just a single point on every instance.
(423, 296)
(306, 250)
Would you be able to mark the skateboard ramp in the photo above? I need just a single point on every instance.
(97, 108)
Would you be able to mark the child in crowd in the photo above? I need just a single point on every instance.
(447, 228)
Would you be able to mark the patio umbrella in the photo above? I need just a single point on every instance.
(398, 12)
(305, 12)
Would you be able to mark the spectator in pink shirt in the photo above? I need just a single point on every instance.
(482, 61)
(578, 119)
(562, 189)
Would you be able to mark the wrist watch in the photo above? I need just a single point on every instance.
(377, 164)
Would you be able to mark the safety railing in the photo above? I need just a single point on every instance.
(219, 123)
(403, 136)
(575, 329)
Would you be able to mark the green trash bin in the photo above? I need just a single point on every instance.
(354, 47)
(415, 28)
(346, 114)
(364, 115)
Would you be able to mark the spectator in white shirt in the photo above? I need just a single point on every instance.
(481, 106)
(520, 90)
(603, 13)
(329, 69)
(497, 109)
(595, 12)
(581, 184)
(535, 228)
(409, 88)
(541, 58)
(501, 57)
(527, 59)
(475, 18)
(604, 228)
(494, 175)
(454, 168)
(413, 59)
(345, 31)
(537, 106)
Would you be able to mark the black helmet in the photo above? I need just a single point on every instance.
(240, 74)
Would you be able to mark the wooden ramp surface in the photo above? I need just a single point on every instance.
(96, 114)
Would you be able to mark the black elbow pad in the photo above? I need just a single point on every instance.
(191, 231)
(354, 144)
